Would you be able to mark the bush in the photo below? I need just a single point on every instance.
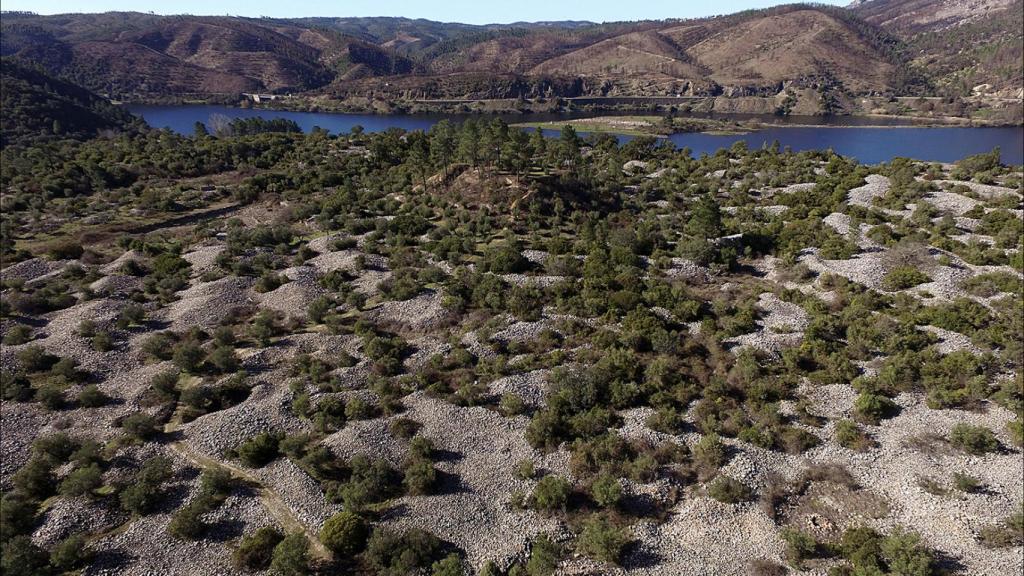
(873, 408)
(70, 553)
(849, 435)
(370, 481)
(965, 483)
(102, 341)
(606, 491)
(143, 493)
(35, 359)
(525, 470)
(551, 494)
(140, 425)
(82, 481)
(92, 397)
(450, 565)
(259, 450)
(903, 277)
(18, 334)
(404, 427)
(976, 440)
(35, 479)
(291, 556)
(729, 490)
(223, 358)
(419, 476)
(19, 556)
(544, 557)
(602, 540)
(254, 552)
(709, 453)
(51, 396)
(187, 523)
(799, 546)
(392, 554)
(17, 515)
(345, 534)
(1009, 532)
(188, 356)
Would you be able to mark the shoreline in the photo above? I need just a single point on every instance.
(740, 124)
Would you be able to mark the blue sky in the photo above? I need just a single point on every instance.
(469, 11)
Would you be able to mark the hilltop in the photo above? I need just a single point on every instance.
(820, 58)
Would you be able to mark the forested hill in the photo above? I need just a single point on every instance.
(38, 106)
(874, 47)
(962, 44)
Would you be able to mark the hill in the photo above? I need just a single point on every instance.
(878, 47)
(36, 105)
(962, 44)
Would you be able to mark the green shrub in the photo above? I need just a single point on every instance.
(291, 556)
(396, 554)
(143, 493)
(51, 396)
(602, 540)
(19, 556)
(404, 427)
(525, 470)
(606, 491)
(419, 476)
(140, 425)
(187, 523)
(976, 440)
(849, 435)
(70, 553)
(35, 479)
(35, 359)
(82, 481)
(17, 515)
(255, 551)
(450, 565)
(371, 481)
(903, 277)
(223, 358)
(18, 334)
(709, 452)
(873, 408)
(551, 494)
(345, 534)
(799, 546)
(965, 482)
(259, 450)
(544, 557)
(188, 356)
(91, 397)
(729, 490)
(102, 341)
(1009, 532)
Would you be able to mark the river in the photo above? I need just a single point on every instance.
(845, 135)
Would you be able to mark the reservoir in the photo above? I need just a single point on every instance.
(884, 140)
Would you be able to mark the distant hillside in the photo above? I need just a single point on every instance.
(878, 47)
(35, 105)
(961, 44)
(926, 15)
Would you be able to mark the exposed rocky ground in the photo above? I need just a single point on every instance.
(478, 441)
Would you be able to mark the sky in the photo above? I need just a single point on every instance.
(467, 11)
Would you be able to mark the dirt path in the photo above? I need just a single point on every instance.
(273, 503)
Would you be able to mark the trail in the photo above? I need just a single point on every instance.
(270, 500)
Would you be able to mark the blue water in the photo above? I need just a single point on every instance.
(869, 145)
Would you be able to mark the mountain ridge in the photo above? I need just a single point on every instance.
(864, 50)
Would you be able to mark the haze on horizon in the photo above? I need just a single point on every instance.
(464, 11)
